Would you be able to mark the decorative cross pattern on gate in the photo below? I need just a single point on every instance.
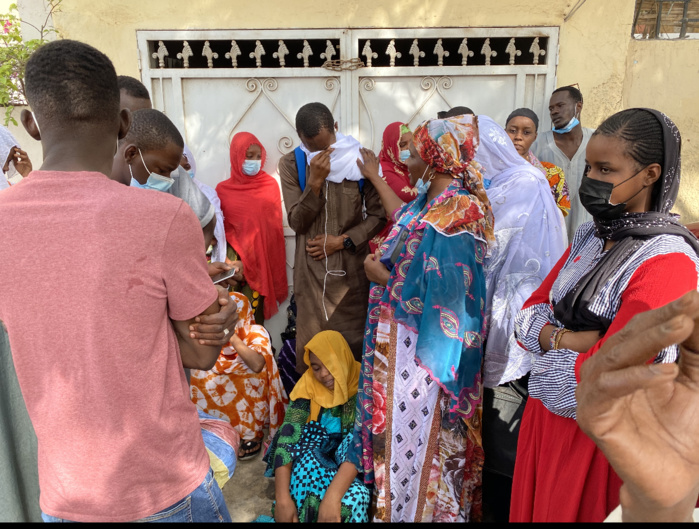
(243, 53)
(376, 53)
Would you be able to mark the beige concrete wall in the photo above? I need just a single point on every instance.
(664, 75)
(111, 25)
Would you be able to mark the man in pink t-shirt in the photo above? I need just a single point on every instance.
(100, 333)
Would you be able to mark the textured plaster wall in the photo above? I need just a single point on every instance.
(665, 75)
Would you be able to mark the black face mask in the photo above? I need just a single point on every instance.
(595, 197)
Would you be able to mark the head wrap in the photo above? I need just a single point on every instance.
(449, 146)
(531, 238)
(630, 232)
(252, 211)
(332, 349)
(219, 251)
(496, 153)
(526, 113)
(190, 159)
(389, 157)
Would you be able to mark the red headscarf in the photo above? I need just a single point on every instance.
(252, 212)
(395, 172)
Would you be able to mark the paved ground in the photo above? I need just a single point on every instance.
(249, 493)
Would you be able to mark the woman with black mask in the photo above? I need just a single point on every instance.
(634, 256)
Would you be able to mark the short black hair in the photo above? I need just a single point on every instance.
(70, 81)
(526, 113)
(312, 118)
(455, 111)
(574, 93)
(151, 130)
(133, 87)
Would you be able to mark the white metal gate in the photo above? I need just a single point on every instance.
(214, 83)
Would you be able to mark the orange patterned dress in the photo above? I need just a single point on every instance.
(232, 391)
(557, 182)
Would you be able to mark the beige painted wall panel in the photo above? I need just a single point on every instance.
(596, 49)
(665, 75)
(111, 25)
(593, 54)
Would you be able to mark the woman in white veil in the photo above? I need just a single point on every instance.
(531, 237)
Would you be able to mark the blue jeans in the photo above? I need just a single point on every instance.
(204, 504)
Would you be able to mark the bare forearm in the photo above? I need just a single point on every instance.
(194, 354)
(282, 480)
(341, 482)
(254, 360)
(197, 356)
(389, 199)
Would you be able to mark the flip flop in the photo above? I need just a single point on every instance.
(249, 449)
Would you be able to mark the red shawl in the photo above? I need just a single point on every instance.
(395, 173)
(252, 218)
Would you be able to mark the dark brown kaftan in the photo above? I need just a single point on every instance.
(346, 296)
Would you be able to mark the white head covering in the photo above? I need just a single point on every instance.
(190, 158)
(7, 141)
(219, 254)
(531, 237)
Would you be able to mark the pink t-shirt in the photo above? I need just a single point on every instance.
(92, 270)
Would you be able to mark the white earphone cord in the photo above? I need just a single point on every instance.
(337, 273)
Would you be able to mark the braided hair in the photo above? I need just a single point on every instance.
(643, 135)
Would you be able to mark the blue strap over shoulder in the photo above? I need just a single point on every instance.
(301, 166)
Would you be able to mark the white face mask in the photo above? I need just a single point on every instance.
(252, 167)
(36, 122)
(155, 181)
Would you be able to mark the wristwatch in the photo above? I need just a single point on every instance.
(348, 244)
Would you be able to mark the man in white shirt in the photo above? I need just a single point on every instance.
(565, 147)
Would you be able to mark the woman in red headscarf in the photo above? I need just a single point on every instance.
(394, 151)
(252, 210)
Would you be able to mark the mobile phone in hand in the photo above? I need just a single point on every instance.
(224, 275)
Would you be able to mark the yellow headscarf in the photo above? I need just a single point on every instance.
(332, 349)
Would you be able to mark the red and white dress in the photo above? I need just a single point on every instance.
(560, 474)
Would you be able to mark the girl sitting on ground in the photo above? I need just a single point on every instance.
(244, 386)
(313, 481)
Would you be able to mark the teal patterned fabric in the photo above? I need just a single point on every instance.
(316, 450)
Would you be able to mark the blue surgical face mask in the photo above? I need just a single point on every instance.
(570, 126)
(191, 173)
(423, 186)
(404, 155)
(252, 167)
(155, 181)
